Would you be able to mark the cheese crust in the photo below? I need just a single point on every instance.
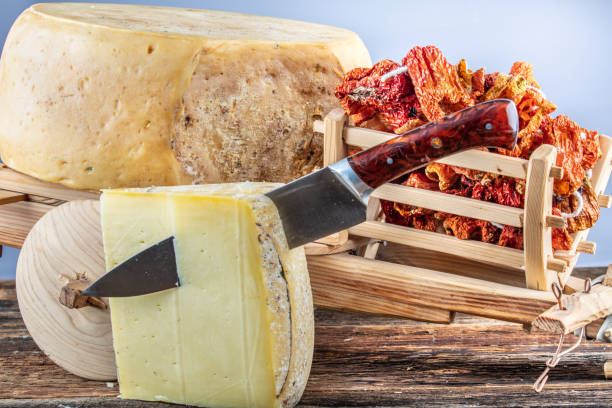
(106, 96)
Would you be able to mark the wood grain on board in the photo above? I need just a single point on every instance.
(65, 244)
(359, 360)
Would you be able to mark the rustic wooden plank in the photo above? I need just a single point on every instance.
(356, 300)
(17, 219)
(359, 360)
(14, 181)
(428, 288)
(579, 309)
(557, 394)
(443, 262)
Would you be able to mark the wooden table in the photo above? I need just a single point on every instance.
(360, 361)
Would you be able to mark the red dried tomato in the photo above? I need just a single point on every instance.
(511, 237)
(432, 88)
(470, 228)
(591, 150)
(561, 239)
(565, 135)
(364, 94)
(500, 190)
(525, 70)
(436, 83)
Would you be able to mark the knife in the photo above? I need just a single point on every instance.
(335, 198)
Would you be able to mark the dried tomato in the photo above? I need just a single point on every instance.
(408, 216)
(364, 94)
(525, 70)
(511, 237)
(470, 228)
(462, 188)
(473, 82)
(419, 180)
(565, 135)
(432, 88)
(443, 174)
(591, 151)
(589, 214)
(436, 83)
(489, 80)
(500, 190)
(561, 239)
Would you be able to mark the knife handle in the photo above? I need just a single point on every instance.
(488, 124)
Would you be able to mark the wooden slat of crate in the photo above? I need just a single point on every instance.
(343, 298)
(17, 219)
(489, 163)
(435, 200)
(476, 250)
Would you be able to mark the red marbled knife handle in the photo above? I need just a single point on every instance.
(488, 124)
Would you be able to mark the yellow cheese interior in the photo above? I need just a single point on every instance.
(208, 342)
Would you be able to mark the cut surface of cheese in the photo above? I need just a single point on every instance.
(239, 330)
(104, 96)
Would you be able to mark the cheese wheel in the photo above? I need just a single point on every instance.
(238, 332)
(104, 96)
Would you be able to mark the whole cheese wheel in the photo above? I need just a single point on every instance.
(100, 96)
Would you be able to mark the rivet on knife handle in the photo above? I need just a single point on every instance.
(491, 124)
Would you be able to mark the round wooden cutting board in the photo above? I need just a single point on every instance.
(65, 242)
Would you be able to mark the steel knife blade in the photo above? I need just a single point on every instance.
(151, 270)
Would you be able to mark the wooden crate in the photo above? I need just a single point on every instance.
(437, 273)
(418, 274)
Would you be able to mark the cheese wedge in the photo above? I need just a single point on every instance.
(239, 331)
(105, 95)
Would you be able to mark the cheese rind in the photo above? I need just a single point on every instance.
(239, 331)
(102, 96)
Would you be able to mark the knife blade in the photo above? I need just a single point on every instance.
(152, 270)
(335, 198)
